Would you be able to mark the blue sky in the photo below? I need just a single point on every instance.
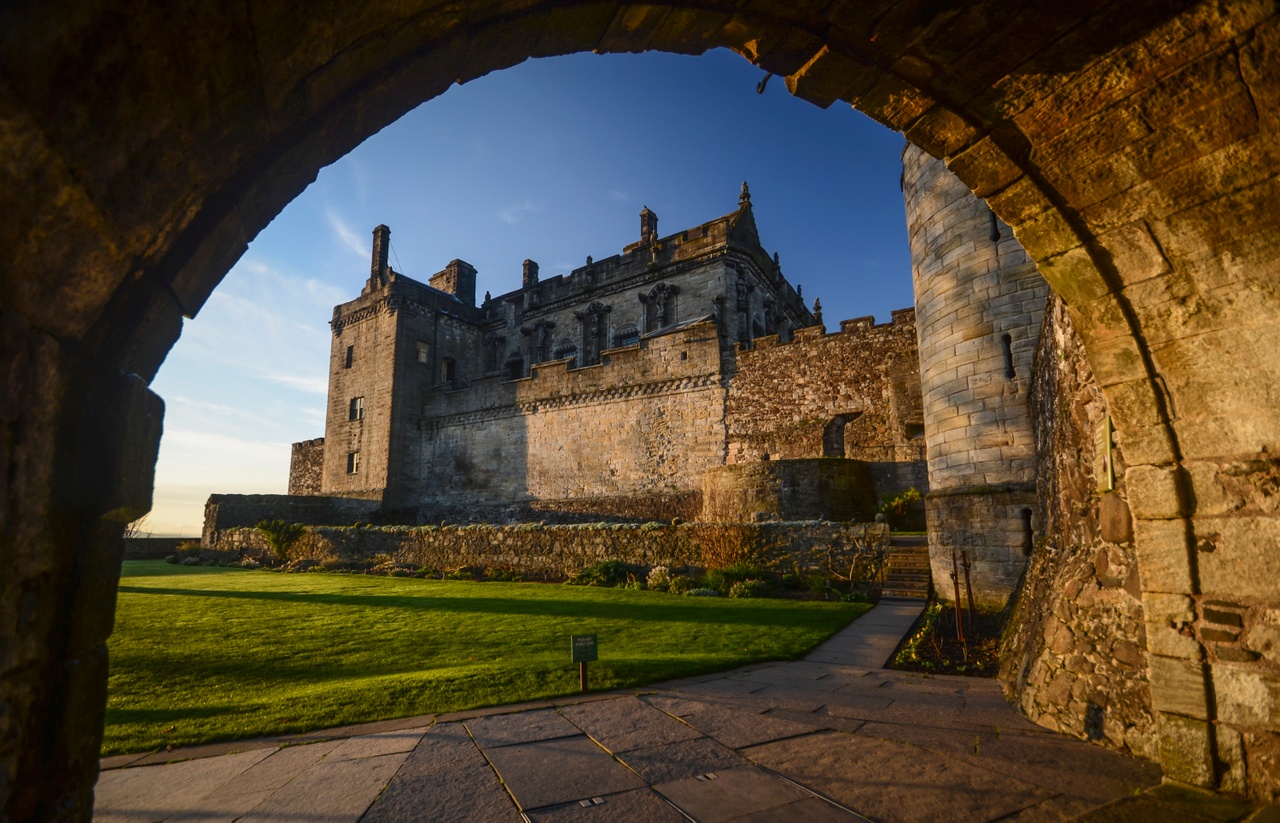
(551, 160)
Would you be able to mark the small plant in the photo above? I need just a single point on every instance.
(792, 580)
(250, 563)
(186, 549)
(659, 579)
(190, 561)
(460, 573)
(636, 585)
(607, 573)
(681, 584)
(702, 593)
(856, 597)
(750, 588)
(280, 536)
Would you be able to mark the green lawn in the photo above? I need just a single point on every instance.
(202, 654)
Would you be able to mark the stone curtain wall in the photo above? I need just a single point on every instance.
(1074, 656)
(644, 421)
(306, 467)
(232, 511)
(810, 489)
(555, 552)
(979, 301)
(784, 398)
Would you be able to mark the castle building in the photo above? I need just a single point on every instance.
(611, 389)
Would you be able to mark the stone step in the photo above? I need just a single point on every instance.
(906, 594)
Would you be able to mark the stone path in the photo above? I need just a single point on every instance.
(831, 738)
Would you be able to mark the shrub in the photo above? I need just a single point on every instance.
(856, 597)
(281, 536)
(898, 508)
(250, 563)
(750, 588)
(792, 580)
(637, 585)
(459, 574)
(702, 593)
(605, 573)
(503, 572)
(659, 579)
(681, 583)
(173, 558)
(188, 548)
(819, 585)
(191, 561)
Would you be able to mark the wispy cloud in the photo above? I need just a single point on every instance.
(619, 196)
(514, 214)
(346, 235)
(315, 385)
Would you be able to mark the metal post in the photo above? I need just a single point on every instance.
(955, 585)
(582, 676)
(968, 587)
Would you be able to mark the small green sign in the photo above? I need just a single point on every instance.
(584, 648)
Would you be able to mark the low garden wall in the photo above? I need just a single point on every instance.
(553, 552)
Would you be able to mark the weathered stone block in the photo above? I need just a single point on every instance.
(1185, 751)
(1247, 695)
(1178, 687)
(1154, 492)
(1163, 560)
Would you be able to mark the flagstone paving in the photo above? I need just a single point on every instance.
(832, 737)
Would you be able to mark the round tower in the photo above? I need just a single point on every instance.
(979, 302)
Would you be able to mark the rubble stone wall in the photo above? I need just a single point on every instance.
(306, 467)
(853, 394)
(1075, 653)
(555, 552)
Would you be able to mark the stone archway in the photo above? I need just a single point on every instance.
(1132, 150)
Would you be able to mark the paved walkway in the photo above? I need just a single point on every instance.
(831, 738)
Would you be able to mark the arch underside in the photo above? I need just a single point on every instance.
(1133, 150)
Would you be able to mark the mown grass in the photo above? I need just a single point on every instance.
(202, 654)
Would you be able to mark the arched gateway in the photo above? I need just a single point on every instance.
(1132, 149)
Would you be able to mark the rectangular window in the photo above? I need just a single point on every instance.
(357, 409)
(351, 354)
(424, 352)
(353, 462)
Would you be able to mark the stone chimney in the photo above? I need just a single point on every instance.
(381, 248)
(530, 274)
(458, 279)
(648, 227)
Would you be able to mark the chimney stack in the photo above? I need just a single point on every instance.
(530, 274)
(381, 248)
(648, 227)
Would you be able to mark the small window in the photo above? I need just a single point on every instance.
(424, 352)
(449, 371)
(353, 462)
(351, 355)
(357, 409)
(626, 336)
